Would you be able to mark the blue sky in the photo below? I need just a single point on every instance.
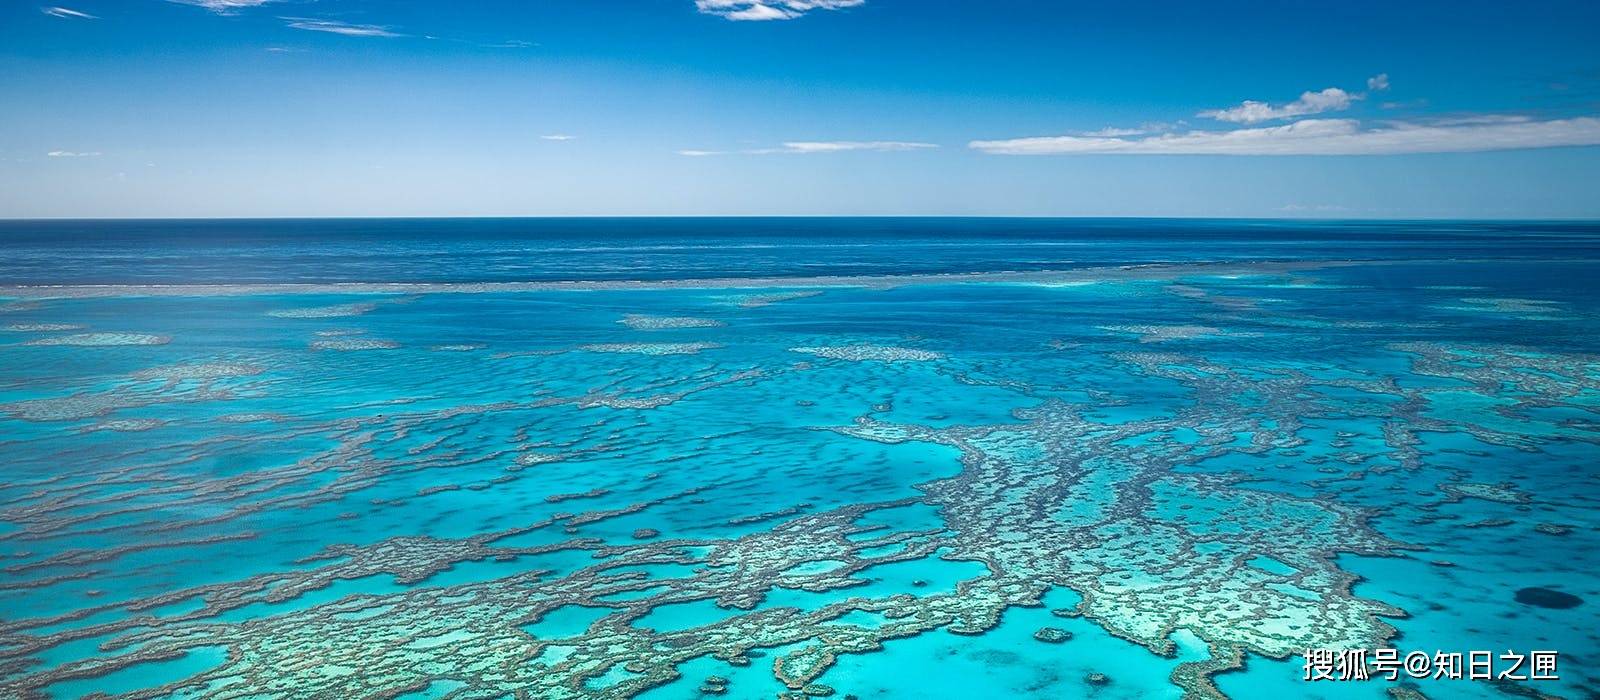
(204, 108)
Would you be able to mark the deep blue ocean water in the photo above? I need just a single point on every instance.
(888, 458)
(518, 250)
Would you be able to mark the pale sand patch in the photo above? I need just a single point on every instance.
(876, 353)
(641, 322)
(354, 344)
(650, 348)
(103, 339)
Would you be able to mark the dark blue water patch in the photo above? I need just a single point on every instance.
(487, 250)
(1547, 598)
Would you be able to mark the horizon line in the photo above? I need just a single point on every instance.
(992, 217)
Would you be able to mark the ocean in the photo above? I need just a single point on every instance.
(784, 458)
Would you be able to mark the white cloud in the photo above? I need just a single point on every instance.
(1113, 132)
(757, 12)
(558, 137)
(809, 147)
(1472, 119)
(73, 154)
(763, 10)
(1325, 137)
(1315, 208)
(1251, 111)
(1326, 100)
(224, 7)
(66, 13)
(837, 146)
(332, 26)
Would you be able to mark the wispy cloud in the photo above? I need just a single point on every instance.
(1113, 132)
(1312, 208)
(73, 154)
(1310, 102)
(764, 10)
(837, 146)
(66, 13)
(1325, 137)
(558, 137)
(809, 147)
(333, 26)
(224, 7)
(1250, 111)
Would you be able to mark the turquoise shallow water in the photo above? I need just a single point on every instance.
(1181, 476)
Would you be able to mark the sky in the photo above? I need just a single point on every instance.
(1204, 108)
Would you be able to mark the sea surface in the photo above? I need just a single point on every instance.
(784, 458)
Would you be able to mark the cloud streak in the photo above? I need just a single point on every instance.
(66, 13)
(838, 146)
(813, 147)
(73, 154)
(341, 28)
(767, 10)
(224, 7)
(1325, 137)
(1251, 111)
(1310, 102)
